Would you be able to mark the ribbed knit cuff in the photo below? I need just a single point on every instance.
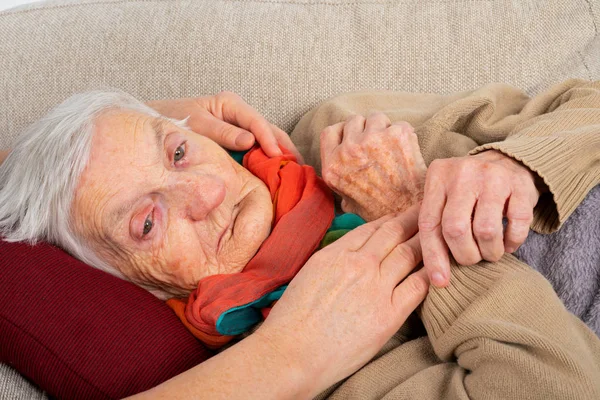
(467, 283)
(552, 159)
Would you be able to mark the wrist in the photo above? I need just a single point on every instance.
(284, 359)
(494, 155)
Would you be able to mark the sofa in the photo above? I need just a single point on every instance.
(282, 56)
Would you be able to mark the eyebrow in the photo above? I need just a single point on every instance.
(158, 126)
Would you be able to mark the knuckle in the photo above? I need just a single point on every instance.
(327, 130)
(366, 230)
(486, 230)
(227, 130)
(394, 228)
(405, 127)
(520, 214)
(395, 129)
(465, 170)
(227, 94)
(517, 236)
(520, 237)
(416, 285)
(355, 118)
(364, 259)
(377, 115)
(455, 229)
(428, 223)
(406, 254)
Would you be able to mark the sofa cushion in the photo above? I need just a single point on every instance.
(81, 333)
(285, 56)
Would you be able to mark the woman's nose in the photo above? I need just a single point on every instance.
(199, 195)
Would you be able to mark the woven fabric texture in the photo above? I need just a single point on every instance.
(285, 56)
(80, 333)
(14, 386)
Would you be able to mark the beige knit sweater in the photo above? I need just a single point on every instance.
(498, 331)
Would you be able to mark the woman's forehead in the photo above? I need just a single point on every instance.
(123, 159)
(117, 127)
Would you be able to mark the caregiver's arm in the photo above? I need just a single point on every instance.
(504, 333)
(340, 309)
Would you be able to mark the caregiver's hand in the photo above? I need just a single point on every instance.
(228, 120)
(349, 299)
(345, 303)
(464, 203)
(374, 165)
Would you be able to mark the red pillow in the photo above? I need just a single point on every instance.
(78, 332)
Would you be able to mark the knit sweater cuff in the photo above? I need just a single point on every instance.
(443, 306)
(551, 158)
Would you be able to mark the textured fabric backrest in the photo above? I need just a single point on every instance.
(14, 386)
(285, 56)
(80, 333)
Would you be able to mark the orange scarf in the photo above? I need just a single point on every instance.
(304, 209)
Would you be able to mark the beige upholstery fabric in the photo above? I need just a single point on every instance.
(14, 386)
(285, 56)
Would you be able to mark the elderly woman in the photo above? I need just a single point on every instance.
(148, 200)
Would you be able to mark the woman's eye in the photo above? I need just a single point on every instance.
(148, 224)
(179, 153)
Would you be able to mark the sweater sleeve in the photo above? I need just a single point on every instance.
(560, 142)
(556, 134)
(503, 333)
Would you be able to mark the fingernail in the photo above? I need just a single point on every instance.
(244, 139)
(510, 249)
(438, 279)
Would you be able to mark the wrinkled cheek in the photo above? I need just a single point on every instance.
(187, 271)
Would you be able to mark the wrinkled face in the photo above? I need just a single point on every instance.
(165, 206)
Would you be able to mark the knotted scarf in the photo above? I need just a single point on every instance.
(228, 304)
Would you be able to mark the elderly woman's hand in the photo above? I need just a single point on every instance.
(375, 166)
(228, 120)
(464, 203)
(349, 299)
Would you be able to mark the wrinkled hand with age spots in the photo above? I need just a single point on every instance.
(463, 206)
(375, 166)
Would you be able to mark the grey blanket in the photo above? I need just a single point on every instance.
(570, 259)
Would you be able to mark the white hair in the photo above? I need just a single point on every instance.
(39, 177)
